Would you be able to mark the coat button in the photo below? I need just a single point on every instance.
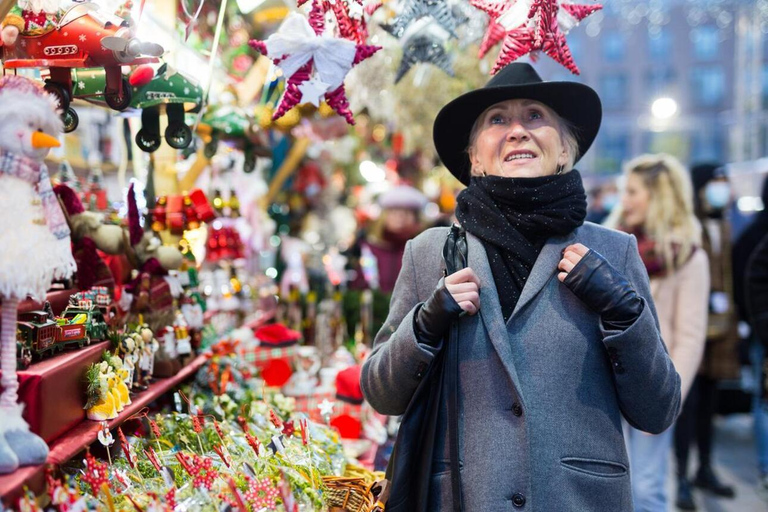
(518, 500)
(420, 370)
(517, 409)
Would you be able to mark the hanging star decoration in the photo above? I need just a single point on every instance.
(349, 15)
(525, 26)
(300, 50)
(427, 46)
(414, 10)
(261, 494)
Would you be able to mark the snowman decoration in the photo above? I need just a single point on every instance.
(34, 243)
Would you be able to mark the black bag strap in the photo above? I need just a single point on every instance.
(455, 257)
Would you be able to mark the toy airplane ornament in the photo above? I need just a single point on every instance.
(83, 38)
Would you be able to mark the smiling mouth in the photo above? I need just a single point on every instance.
(519, 156)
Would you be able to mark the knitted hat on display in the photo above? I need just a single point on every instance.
(348, 385)
(277, 335)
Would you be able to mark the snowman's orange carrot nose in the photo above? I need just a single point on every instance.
(43, 140)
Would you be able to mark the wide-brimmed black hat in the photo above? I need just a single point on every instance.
(574, 102)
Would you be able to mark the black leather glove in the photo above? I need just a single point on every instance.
(434, 317)
(605, 290)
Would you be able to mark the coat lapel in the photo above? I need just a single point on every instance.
(543, 270)
(490, 308)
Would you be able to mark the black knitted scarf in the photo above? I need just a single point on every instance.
(514, 217)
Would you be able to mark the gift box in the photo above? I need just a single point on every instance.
(276, 363)
(53, 390)
(346, 417)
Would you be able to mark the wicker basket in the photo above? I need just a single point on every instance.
(352, 494)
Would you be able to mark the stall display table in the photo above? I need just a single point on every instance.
(75, 440)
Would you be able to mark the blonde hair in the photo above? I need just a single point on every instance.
(565, 128)
(670, 219)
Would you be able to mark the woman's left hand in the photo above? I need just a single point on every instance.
(600, 286)
(571, 256)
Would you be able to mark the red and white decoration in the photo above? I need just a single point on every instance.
(525, 26)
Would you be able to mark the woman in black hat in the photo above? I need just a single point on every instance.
(566, 340)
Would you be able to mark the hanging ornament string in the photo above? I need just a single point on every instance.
(191, 18)
(211, 61)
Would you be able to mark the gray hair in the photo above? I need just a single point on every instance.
(567, 136)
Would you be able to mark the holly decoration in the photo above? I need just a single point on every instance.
(525, 26)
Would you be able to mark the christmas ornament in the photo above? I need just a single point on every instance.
(348, 14)
(302, 53)
(261, 494)
(526, 26)
(414, 10)
(425, 45)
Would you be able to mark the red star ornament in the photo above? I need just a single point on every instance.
(527, 26)
(299, 48)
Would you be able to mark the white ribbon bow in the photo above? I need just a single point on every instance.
(298, 42)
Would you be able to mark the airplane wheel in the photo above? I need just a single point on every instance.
(250, 161)
(61, 94)
(146, 142)
(178, 135)
(210, 149)
(71, 120)
(120, 101)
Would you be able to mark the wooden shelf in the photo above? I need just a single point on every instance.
(77, 439)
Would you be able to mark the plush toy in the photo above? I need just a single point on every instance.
(34, 242)
(29, 18)
(89, 233)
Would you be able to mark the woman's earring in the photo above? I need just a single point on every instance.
(560, 169)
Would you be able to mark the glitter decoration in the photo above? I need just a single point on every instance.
(414, 10)
(525, 26)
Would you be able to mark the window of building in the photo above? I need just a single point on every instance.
(707, 145)
(660, 46)
(614, 45)
(612, 150)
(659, 81)
(764, 80)
(706, 42)
(708, 85)
(576, 46)
(613, 89)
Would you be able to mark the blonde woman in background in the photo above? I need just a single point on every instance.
(657, 207)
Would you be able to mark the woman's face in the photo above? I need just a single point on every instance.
(635, 202)
(518, 139)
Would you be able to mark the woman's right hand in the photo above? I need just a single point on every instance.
(464, 287)
(458, 292)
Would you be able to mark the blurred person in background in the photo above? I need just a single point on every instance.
(743, 253)
(602, 200)
(757, 311)
(400, 220)
(712, 199)
(657, 207)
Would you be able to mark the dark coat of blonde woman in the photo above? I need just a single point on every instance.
(558, 337)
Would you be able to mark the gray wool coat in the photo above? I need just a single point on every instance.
(542, 396)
